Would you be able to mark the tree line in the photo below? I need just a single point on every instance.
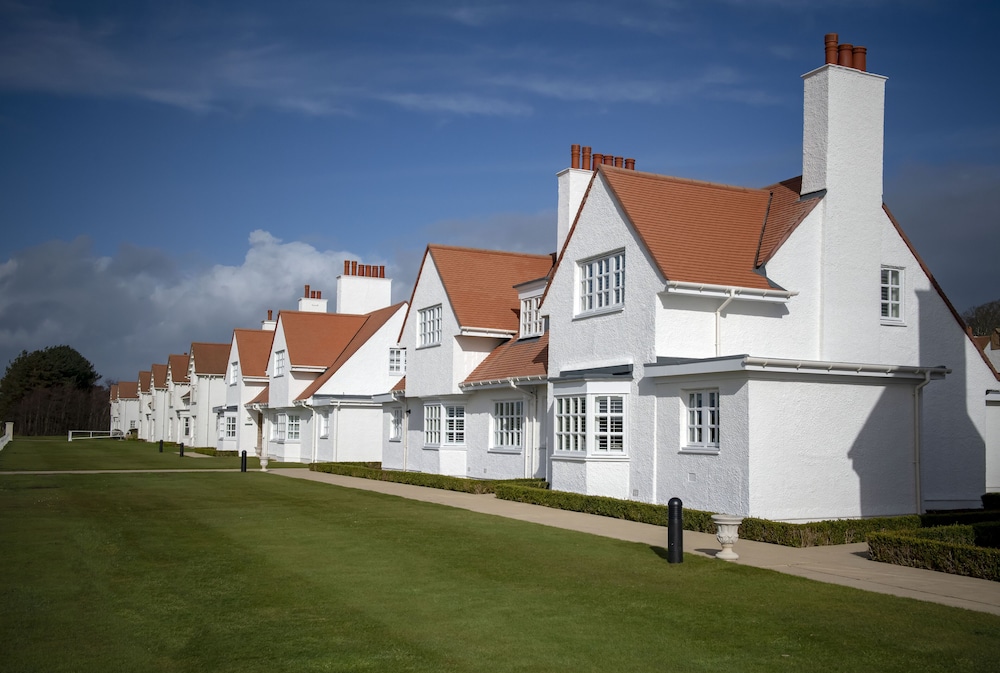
(52, 391)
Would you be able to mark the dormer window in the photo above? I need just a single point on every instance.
(602, 283)
(532, 323)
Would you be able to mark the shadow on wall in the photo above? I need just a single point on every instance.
(952, 452)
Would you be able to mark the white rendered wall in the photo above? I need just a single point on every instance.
(572, 185)
(487, 462)
(362, 294)
(833, 448)
(430, 369)
(367, 371)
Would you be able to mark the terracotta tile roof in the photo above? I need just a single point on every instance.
(514, 359)
(178, 365)
(114, 391)
(372, 323)
(159, 376)
(400, 386)
(262, 396)
(128, 390)
(480, 283)
(698, 232)
(316, 339)
(253, 347)
(210, 359)
(786, 212)
(145, 379)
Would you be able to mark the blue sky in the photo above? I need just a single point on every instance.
(171, 170)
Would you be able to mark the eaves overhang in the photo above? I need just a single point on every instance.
(748, 363)
(729, 292)
(502, 383)
(486, 332)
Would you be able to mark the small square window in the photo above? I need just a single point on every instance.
(703, 419)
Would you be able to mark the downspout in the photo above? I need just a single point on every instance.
(917, 392)
(406, 431)
(718, 317)
(336, 430)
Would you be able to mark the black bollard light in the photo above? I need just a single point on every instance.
(243, 461)
(675, 531)
(161, 446)
(182, 449)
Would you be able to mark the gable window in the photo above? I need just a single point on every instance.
(230, 427)
(507, 424)
(430, 326)
(396, 424)
(397, 360)
(432, 424)
(703, 419)
(602, 282)
(892, 294)
(279, 363)
(532, 323)
(234, 372)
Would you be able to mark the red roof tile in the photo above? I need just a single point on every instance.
(145, 379)
(373, 322)
(316, 339)
(210, 359)
(514, 359)
(262, 396)
(786, 212)
(400, 386)
(178, 365)
(254, 347)
(128, 390)
(159, 376)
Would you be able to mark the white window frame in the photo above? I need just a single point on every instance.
(279, 363)
(891, 295)
(324, 423)
(432, 424)
(507, 424)
(454, 424)
(234, 371)
(532, 322)
(294, 427)
(396, 424)
(601, 285)
(187, 426)
(280, 427)
(702, 430)
(609, 424)
(231, 426)
(571, 423)
(429, 326)
(397, 360)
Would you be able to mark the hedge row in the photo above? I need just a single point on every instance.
(209, 451)
(761, 530)
(991, 501)
(419, 478)
(908, 549)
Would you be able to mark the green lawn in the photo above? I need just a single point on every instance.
(55, 453)
(225, 571)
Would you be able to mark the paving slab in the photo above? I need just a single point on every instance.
(846, 565)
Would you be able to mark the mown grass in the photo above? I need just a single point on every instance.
(55, 453)
(206, 571)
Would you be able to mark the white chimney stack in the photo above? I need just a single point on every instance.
(312, 301)
(362, 288)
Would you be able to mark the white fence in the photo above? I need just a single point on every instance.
(95, 434)
(8, 434)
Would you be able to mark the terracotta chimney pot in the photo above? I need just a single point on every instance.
(347, 268)
(618, 162)
(305, 292)
(574, 156)
(846, 55)
(381, 271)
(630, 164)
(585, 163)
(860, 58)
(598, 160)
(354, 268)
(831, 48)
(319, 294)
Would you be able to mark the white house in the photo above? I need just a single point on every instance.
(125, 408)
(324, 370)
(242, 428)
(145, 390)
(474, 399)
(157, 426)
(207, 366)
(779, 352)
(178, 416)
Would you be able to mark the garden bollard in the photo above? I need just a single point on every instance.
(675, 531)
(243, 461)
(161, 446)
(182, 449)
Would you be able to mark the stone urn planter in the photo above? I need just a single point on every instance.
(263, 462)
(728, 532)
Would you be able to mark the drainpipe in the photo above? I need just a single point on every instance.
(336, 430)
(529, 437)
(917, 392)
(718, 317)
(406, 431)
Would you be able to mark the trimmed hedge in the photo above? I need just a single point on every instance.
(991, 500)
(958, 517)
(419, 478)
(821, 533)
(908, 549)
(209, 451)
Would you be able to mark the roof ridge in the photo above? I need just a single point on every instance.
(679, 180)
(456, 248)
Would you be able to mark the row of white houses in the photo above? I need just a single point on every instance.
(780, 352)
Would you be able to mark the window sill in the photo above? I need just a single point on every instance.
(505, 449)
(444, 447)
(582, 457)
(397, 440)
(700, 450)
(601, 311)
(893, 323)
(420, 348)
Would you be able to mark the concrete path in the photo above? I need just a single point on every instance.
(847, 565)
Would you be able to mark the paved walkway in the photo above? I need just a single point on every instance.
(847, 565)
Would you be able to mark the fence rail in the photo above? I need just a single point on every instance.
(95, 434)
